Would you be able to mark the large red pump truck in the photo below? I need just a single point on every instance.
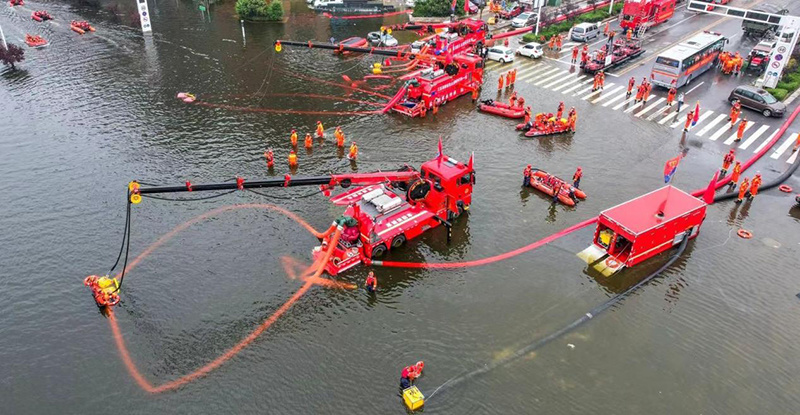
(637, 14)
(383, 211)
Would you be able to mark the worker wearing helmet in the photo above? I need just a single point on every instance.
(631, 84)
(575, 51)
(743, 188)
(754, 185)
(526, 176)
(294, 138)
(671, 95)
(735, 173)
(576, 178)
(320, 130)
(727, 161)
(353, 154)
(309, 142)
(500, 83)
(740, 131)
(292, 159)
(340, 138)
(560, 110)
(371, 284)
(270, 158)
(407, 376)
(689, 117)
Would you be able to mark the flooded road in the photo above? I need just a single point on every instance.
(715, 334)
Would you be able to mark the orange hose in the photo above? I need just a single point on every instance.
(318, 267)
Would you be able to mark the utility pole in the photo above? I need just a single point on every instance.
(611, 7)
(244, 38)
(3, 36)
(539, 14)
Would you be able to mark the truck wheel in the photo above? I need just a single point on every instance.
(378, 251)
(398, 241)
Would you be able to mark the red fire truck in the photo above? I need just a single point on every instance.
(639, 13)
(386, 209)
(638, 229)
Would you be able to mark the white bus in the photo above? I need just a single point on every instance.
(687, 60)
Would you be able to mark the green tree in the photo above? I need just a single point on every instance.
(14, 54)
(437, 8)
(276, 10)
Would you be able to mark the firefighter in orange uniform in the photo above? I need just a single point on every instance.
(671, 96)
(560, 110)
(736, 109)
(740, 131)
(270, 157)
(689, 117)
(309, 142)
(743, 190)
(294, 138)
(735, 173)
(513, 99)
(339, 134)
(526, 176)
(576, 178)
(292, 159)
(754, 185)
(353, 154)
(320, 130)
(727, 161)
(575, 54)
(500, 83)
(631, 84)
(629, 35)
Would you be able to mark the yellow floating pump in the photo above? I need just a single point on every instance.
(413, 398)
(376, 68)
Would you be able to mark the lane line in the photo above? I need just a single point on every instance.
(552, 70)
(784, 146)
(649, 107)
(615, 99)
(718, 133)
(700, 120)
(627, 101)
(672, 114)
(730, 139)
(639, 105)
(597, 92)
(753, 137)
(711, 125)
(608, 94)
(576, 86)
(550, 77)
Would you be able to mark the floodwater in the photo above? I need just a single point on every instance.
(716, 333)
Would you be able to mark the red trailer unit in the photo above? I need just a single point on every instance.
(636, 13)
(636, 230)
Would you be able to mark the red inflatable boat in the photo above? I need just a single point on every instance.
(41, 15)
(542, 181)
(81, 27)
(501, 109)
(13, 3)
(543, 128)
(35, 41)
(354, 42)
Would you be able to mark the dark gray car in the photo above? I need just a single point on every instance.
(759, 100)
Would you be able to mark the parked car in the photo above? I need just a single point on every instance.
(524, 19)
(502, 54)
(511, 13)
(531, 50)
(583, 32)
(376, 38)
(472, 7)
(759, 100)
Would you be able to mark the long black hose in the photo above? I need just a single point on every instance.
(566, 329)
(766, 186)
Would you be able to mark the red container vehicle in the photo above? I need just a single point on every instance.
(638, 13)
(636, 230)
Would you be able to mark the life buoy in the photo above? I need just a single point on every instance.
(744, 233)
(785, 188)
(612, 263)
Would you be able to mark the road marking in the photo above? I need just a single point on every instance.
(568, 83)
(584, 89)
(608, 94)
(792, 158)
(700, 120)
(649, 107)
(695, 87)
(762, 145)
(711, 125)
(640, 105)
(527, 69)
(597, 92)
(547, 78)
(627, 101)
(785, 146)
(543, 73)
(615, 99)
(719, 132)
(659, 112)
(576, 86)
(754, 137)
(538, 70)
(730, 139)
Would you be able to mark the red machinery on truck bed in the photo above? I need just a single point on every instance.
(638, 229)
(386, 209)
(638, 13)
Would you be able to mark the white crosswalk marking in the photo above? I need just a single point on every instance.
(672, 114)
(730, 139)
(568, 44)
(607, 94)
(659, 112)
(753, 137)
(784, 146)
(547, 72)
(711, 125)
(615, 99)
(649, 107)
(764, 143)
(568, 83)
(719, 132)
(793, 157)
(623, 103)
(534, 73)
(527, 70)
(639, 105)
(576, 86)
(551, 77)
(597, 92)
(584, 90)
(700, 119)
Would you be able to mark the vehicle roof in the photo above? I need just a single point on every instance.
(533, 44)
(523, 14)
(691, 45)
(501, 47)
(639, 215)
(751, 88)
(448, 168)
(585, 24)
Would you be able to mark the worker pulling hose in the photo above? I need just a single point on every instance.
(566, 329)
(769, 185)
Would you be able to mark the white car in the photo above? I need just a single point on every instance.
(524, 19)
(501, 54)
(531, 50)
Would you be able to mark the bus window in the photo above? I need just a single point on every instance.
(667, 61)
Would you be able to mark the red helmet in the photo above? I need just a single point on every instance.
(294, 131)
(319, 122)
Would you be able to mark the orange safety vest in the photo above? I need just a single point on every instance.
(309, 141)
(292, 159)
(294, 139)
(743, 188)
(353, 151)
(737, 170)
(740, 132)
(754, 185)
